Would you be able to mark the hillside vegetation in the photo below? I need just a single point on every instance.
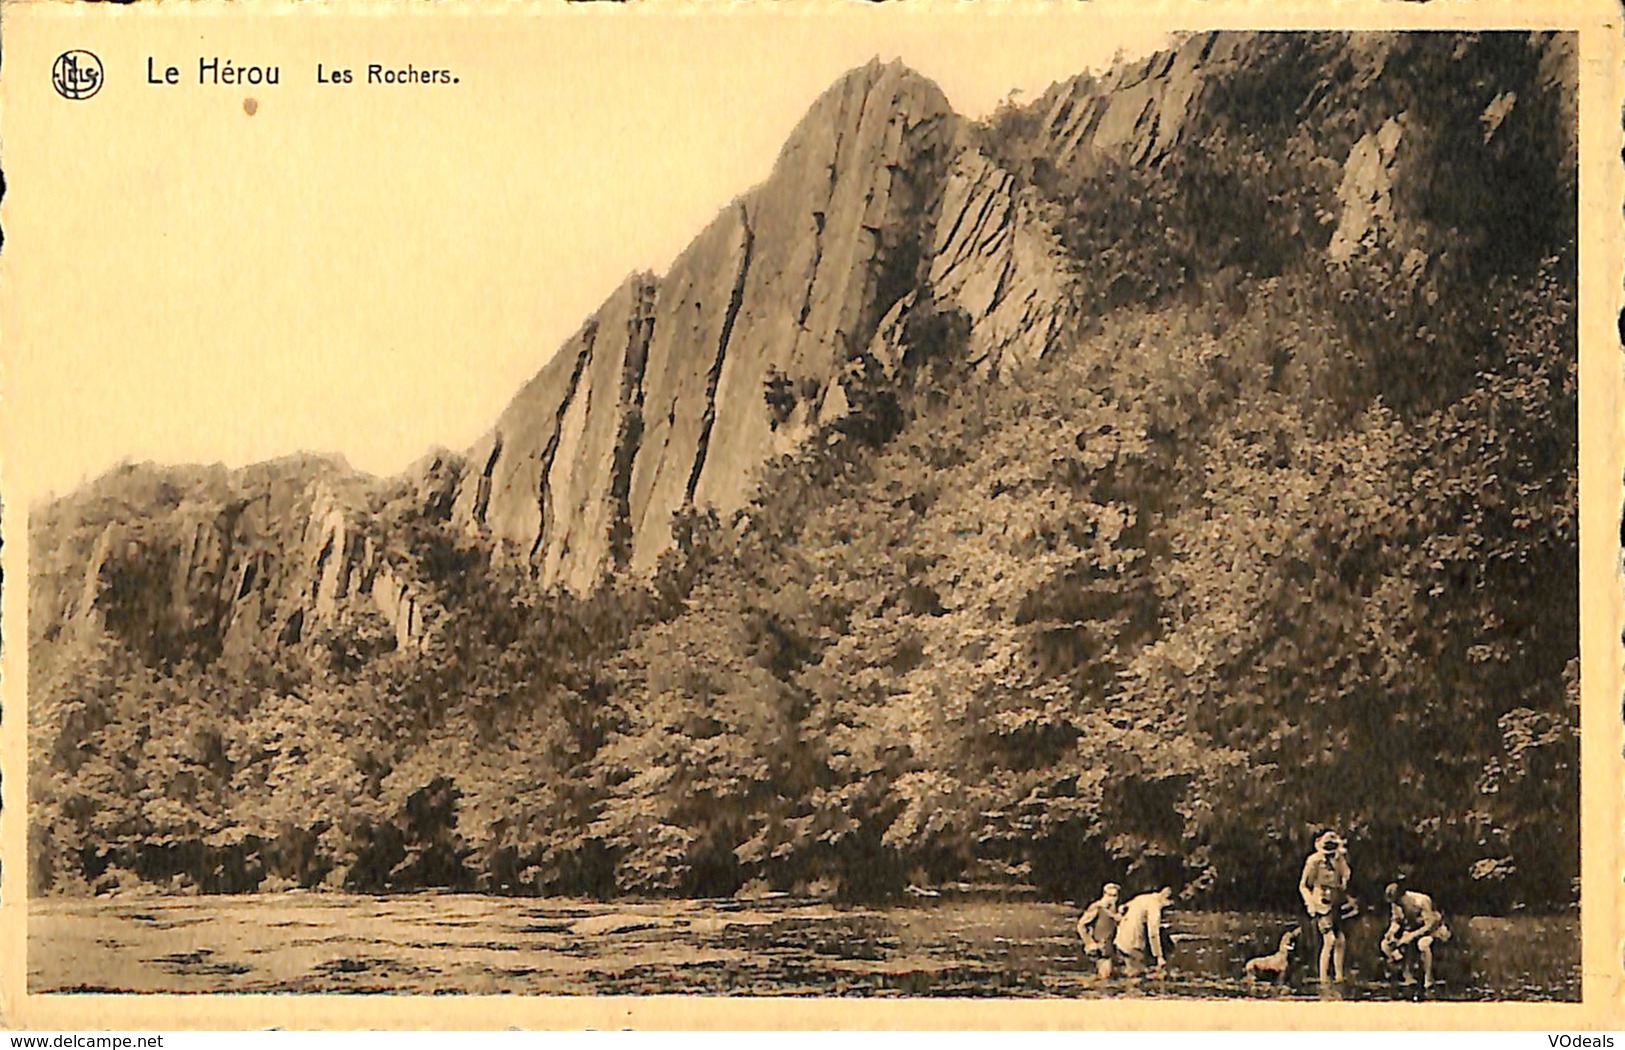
(1278, 531)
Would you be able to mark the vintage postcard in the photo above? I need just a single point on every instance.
(918, 515)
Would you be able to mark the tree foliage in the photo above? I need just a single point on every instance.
(1276, 541)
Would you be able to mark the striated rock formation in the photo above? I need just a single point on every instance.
(1136, 113)
(1345, 119)
(548, 484)
(659, 401)
(1227, 399)
(997, 259)
(185, 564)
(348, 569)
(679, 387)
(1366, 192)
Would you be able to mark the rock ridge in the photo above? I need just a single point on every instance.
(658, 404)
(183, 564)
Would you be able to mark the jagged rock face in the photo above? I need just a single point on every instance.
(996, 259)
(348, 570)
(659, 401)
(1137, 113)
(1359, 133)
(550, 481)
(1366, 193)
(677, 389)
(656, 403)
(835, 239)
(196, 565)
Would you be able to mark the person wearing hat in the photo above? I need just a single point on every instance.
(1098, 928)
(1325, 891)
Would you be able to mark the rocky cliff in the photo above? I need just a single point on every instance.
(195, 564)
(1160, 445)
(880, 198)
(660, 401)
(657, 403)
(1136, 113)
(1344, 119)
(680, 386)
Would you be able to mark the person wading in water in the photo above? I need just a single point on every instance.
(1325, 891)
(1098, 928)
(1139, 935)
(1414, 927)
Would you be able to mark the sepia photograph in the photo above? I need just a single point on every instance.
(756, 504)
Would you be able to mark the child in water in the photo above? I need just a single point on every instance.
(1098, 928)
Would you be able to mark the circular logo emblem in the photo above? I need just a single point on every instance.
(77, 74)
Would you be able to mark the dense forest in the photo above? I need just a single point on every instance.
(1283, 536)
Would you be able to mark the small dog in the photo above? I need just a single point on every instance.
(1276, 965)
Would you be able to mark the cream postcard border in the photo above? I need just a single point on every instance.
(1602, 458)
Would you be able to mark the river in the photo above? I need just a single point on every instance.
(454, 943)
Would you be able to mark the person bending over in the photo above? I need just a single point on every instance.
(1414, 927)
(1139, 935)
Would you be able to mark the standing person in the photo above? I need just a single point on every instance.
(1325, 891)
(1098, 928)
(1414, 924)
(1139, 935)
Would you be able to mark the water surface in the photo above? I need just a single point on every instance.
(449, 943)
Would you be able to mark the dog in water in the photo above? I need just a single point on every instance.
(1273, 965)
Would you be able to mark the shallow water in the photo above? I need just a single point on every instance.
(444, 943)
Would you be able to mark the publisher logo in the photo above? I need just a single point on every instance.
(77, 74)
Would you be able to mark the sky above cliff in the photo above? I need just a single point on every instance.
(374, 269)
